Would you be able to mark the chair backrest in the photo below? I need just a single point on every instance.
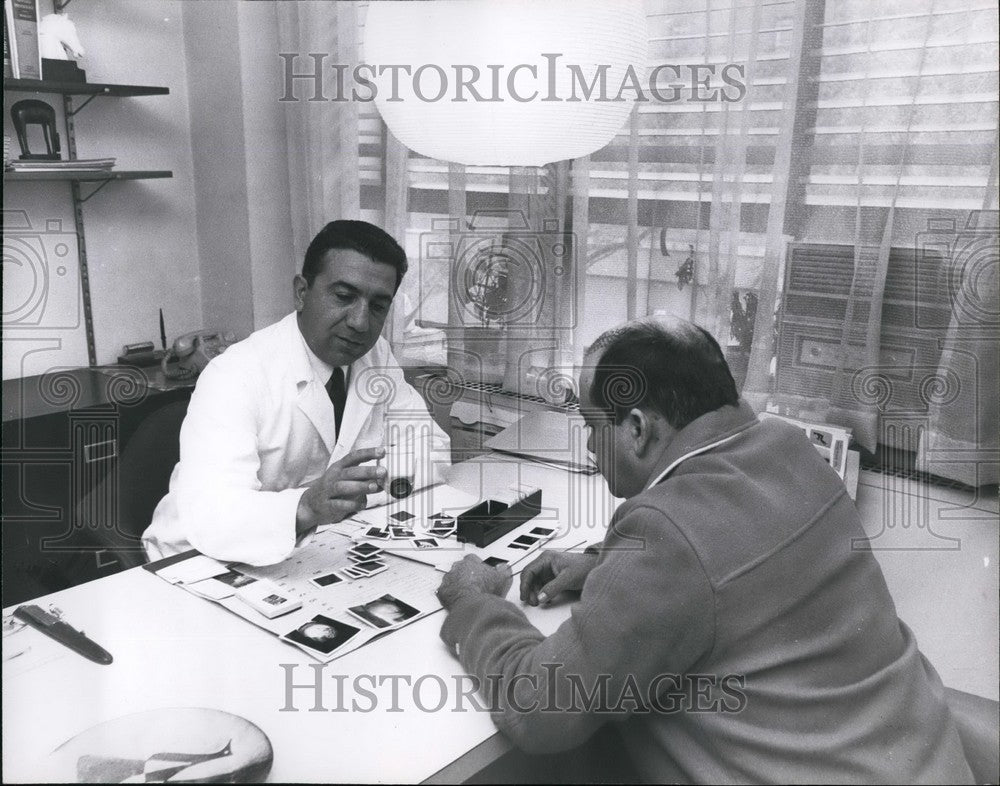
(143, 478)
(978, 721)
(145, 465)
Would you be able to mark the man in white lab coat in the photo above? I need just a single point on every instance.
(270, 448)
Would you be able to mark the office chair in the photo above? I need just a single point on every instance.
(978, 721)
(143, 478)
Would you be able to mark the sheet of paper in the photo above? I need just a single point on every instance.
(413, 584)
(412, 574)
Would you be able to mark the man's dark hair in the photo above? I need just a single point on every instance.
(360, 236)
(679, 372)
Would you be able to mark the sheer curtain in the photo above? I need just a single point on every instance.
(904, 146)
(860, 128)
(860, 377)
(962, 438)
(323, 136)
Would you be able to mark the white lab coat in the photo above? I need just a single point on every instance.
(260, 427)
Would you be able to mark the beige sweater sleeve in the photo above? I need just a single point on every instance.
(646, 613)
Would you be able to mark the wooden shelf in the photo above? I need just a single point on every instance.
(82, 88)
(89, 176)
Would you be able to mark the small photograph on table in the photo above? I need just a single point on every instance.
(524, 542)
(384, 612)
(441, 527)
(369, 568)
(235, 579)
(363, 551)
(322, 634)
(325, 580)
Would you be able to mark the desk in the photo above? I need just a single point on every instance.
(173, 649)
(65, 390)
(63, 432)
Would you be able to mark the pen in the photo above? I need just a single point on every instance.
(56, 629)
(163, 332)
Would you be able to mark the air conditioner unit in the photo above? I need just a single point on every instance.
(811, 337)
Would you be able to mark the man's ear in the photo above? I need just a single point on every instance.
(639, 427)
(299, 287)
(648, 431)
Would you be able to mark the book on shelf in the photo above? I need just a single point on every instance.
(73, 165)
(8, 63)
(21, 36)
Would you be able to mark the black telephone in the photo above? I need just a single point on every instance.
(192, 351)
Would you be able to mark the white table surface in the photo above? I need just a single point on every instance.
(173, 649)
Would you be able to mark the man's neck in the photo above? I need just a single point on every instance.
(655, 462)
(320, 367)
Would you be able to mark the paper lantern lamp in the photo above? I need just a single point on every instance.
(506, 82)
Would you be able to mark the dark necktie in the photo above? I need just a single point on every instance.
(337, 391)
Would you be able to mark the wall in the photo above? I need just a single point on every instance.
(141, 235)
(272, 262)
(212, 245)
(240, 152)
(215, 96)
